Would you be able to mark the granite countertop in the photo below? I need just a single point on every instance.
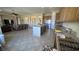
(71, 35)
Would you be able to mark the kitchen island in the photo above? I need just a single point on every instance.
(38, 30)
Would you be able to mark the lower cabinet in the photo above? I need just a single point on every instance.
(38, 30)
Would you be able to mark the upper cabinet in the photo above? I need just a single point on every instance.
(77, 14)
(68, 14)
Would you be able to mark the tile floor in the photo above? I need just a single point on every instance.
(24, 41)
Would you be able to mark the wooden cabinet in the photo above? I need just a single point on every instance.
(47, 17)
(69, 14)
(58, 17)
(77, 14)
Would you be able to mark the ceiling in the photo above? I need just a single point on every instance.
(27, 10)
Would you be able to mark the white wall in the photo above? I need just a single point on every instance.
(22, 19)
(7, 17)
(28, 20)
(74, 26)
(10, 17)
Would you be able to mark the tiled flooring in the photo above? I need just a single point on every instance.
(24, 41)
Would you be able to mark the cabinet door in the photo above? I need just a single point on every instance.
(63, 14)
(77, 14)
(68, 14)
(57, 17)
(73, 14)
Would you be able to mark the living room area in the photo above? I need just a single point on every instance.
(28, 28)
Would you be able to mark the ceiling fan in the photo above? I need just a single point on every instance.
(15, 14)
